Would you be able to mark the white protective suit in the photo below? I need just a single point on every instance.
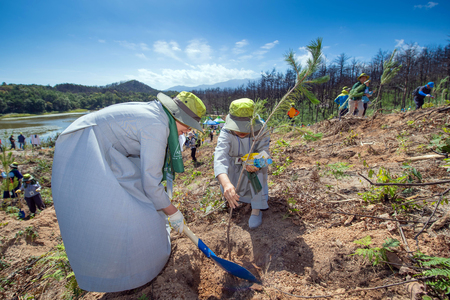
(229, 147)
(107, 191)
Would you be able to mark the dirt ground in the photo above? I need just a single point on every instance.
(304, 246)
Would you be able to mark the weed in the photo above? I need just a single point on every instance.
(411, 124)
(143, 297)
(43, 166)
(311, 137)
(210, 200)
(59, 269)
(375, 254)
(389, 192)
(4, 264)
(439, 267)
(337, 169)
(440, 141)
(187, 180)
(12, 211)
(31, 233)
(18, 234)
(350, 139)
(427, 105)
(384, 126)
(382, 193)
(403, 144)
(281, 168)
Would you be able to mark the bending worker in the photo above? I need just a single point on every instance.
(235, 141)
(111, 206)
(292, 112)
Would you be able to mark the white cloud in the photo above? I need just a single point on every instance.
(141, 55)
(403, 46)
(133, 46)
(198, 51)
(245, 57)
(400, 43)
(427, 6)
(101, 41)
(126, 44)
(238, 48)
(170, 49)
(144, 47)
(270, 45)
(200, 74)
(303, 58)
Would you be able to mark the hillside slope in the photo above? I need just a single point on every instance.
(305, 243)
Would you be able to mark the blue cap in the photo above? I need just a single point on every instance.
(431, 84)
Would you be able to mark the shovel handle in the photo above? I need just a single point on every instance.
(190, 235)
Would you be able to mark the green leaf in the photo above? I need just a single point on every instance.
(390, 243)
(366, 241)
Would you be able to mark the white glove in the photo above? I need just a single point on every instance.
(428, 95)
(177, 222)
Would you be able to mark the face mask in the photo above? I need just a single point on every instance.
(182, 140)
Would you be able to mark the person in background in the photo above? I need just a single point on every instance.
(211, 133)
(21, 139)
(340, 99)
(365, 98)
(292, 112)
(32, 193)
(112, 207)
(357, 91)
(15, 178)
(193, 145)
(35, 140)
(424, 91)
(13, 142)
(235, 141)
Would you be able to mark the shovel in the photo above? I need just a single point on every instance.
(230, 267)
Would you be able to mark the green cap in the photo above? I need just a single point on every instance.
(185, 108)
(363, 75)
(27, 177)
(240, 114)
(14, 165)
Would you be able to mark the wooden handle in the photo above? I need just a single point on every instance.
(190, 235)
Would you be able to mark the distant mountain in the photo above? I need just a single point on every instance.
(234, 83)
(133, 86)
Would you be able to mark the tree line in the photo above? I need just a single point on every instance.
(419, 66)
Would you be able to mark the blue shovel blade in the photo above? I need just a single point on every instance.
(230, 267)
(235, 269)
(21, 214)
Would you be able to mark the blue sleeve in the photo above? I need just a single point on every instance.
(422, 93)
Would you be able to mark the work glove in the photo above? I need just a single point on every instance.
(177, 222)
(18, 191)
(428, 95)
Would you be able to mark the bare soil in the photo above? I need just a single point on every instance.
(305, 243)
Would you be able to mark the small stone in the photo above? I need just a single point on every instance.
(257, 287)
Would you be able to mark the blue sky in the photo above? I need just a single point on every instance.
(168, 43)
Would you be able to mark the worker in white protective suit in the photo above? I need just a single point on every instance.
(112, 209)
(235, 141)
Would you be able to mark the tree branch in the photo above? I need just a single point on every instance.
(405, 184)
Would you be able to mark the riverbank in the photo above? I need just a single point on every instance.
(53, 113)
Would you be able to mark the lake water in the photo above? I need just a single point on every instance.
(45, 126)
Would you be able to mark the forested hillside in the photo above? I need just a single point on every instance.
(19, 98)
